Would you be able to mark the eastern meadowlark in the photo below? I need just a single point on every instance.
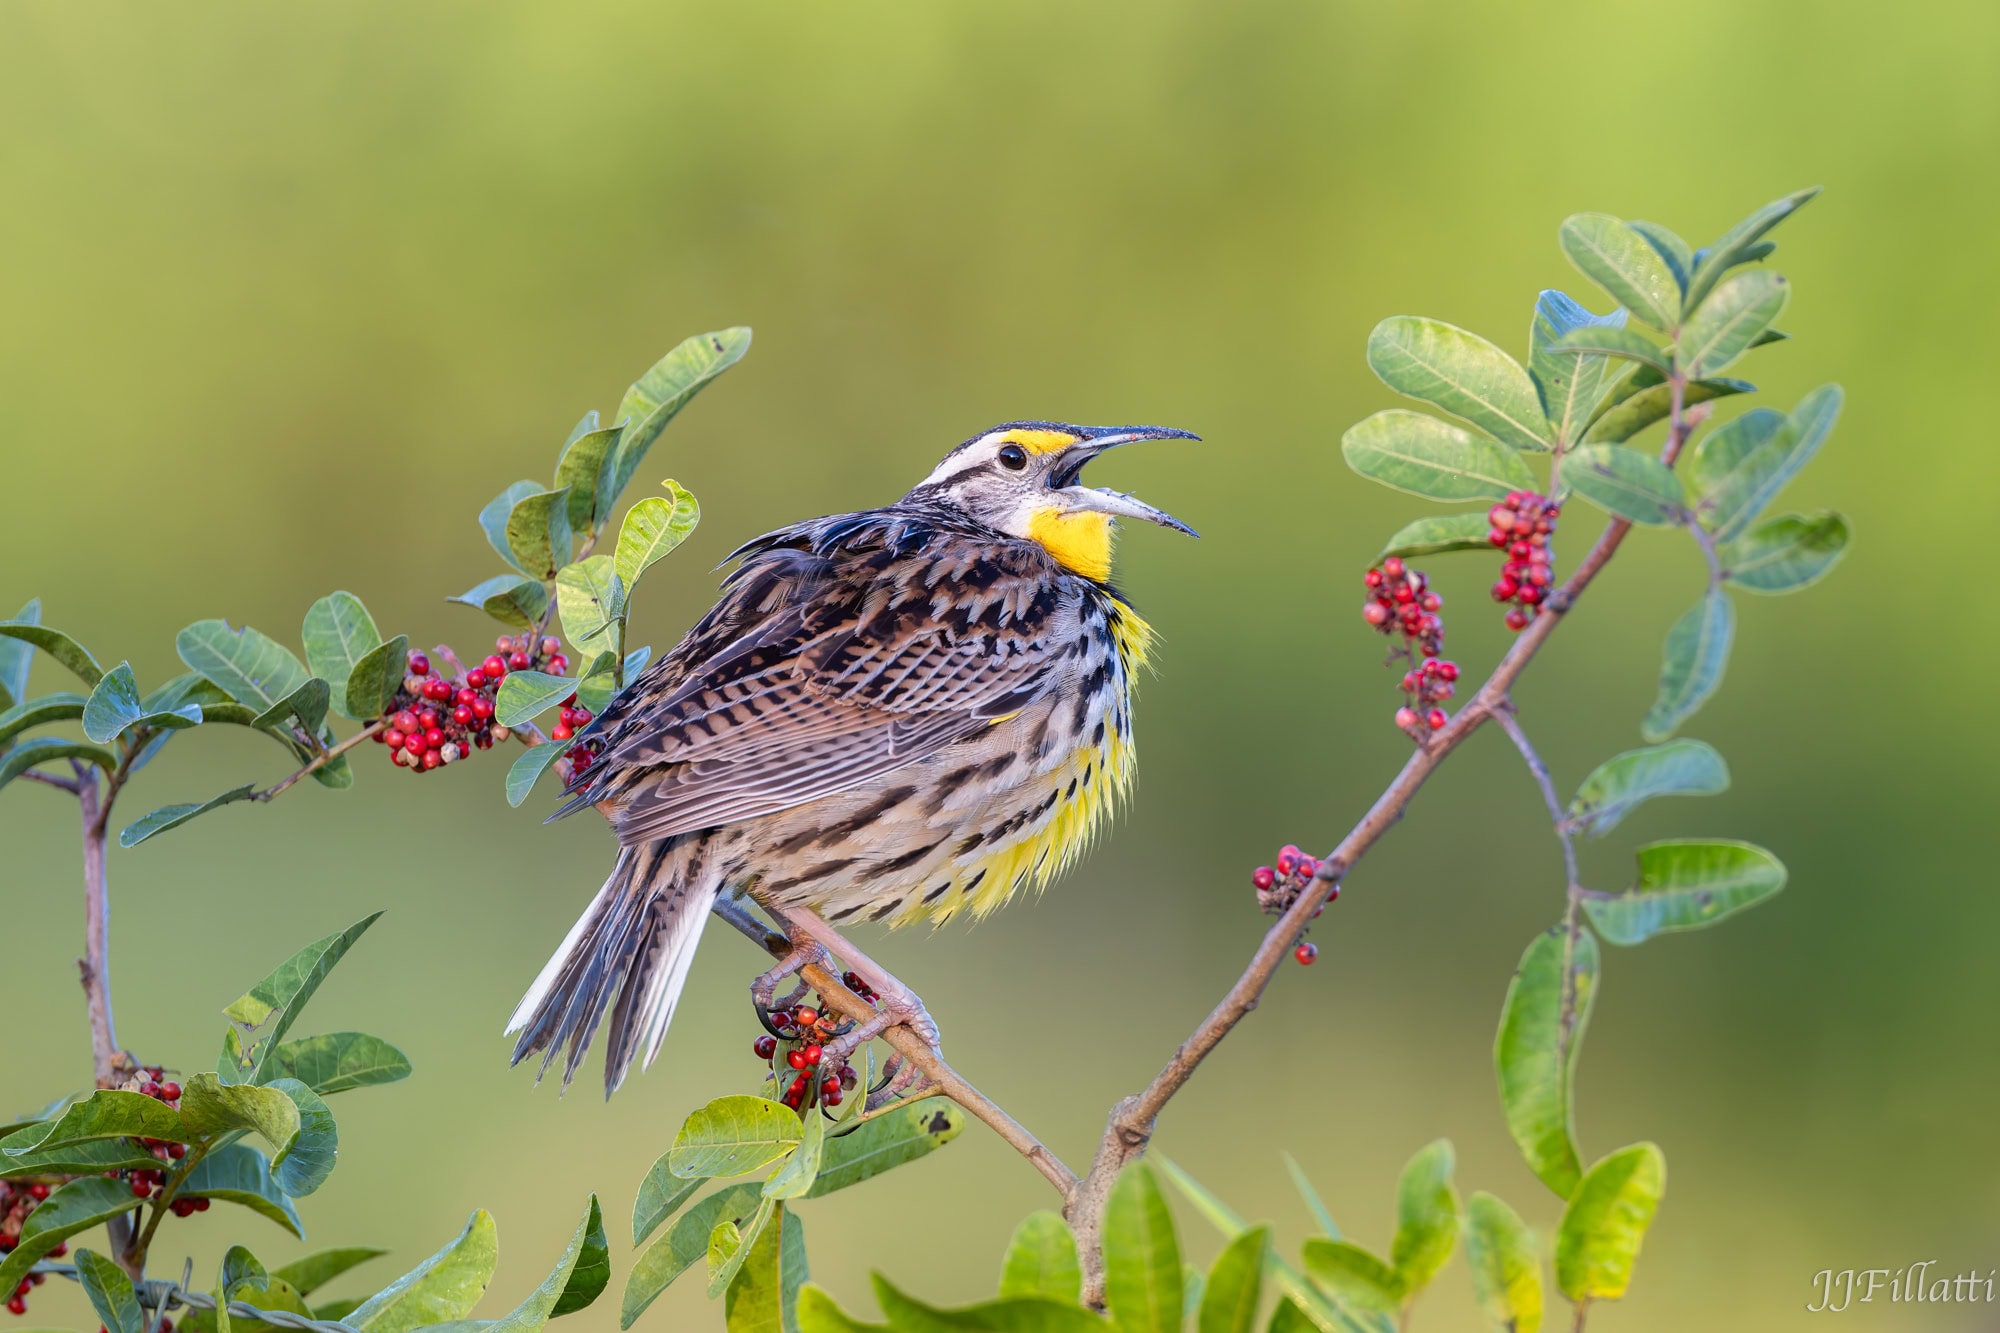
(906, 712)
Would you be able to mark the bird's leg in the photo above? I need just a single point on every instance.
(806, 951)
(900, 1005)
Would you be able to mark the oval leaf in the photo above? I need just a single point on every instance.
(373, 683)
(338, 1061)
(337, 634)
(1684, 885)
(1448, 367)
(1619, 344)
(1729, 320)
(1697, 651)
(590, 598)
(173, 816)
(1605, 1223)
(682, 1246)
(1620, 784)
(110, 1292)
(307, 1160)
(114, 705)
(1739, 469)
(1570, 386)
(660, 394)
(75, 1207)
(729, 1247)
(1042, 1260)
(887, 1142)
(1742, 243)
(1622, 262)
(108, 1113)
(764, 1296)
(509, 599)
(249, 667)
(259, 1019)
(732, 1135)
(1426, 1217)
(661, 1194)
(653, 528)
(44, 749)
(538, 532)
(39, 713)
(1506, 1266)
(237, 1173)
(1535, 1064)
(442, 1288)
(583, 470)
(493, 518)
(1354, 1275)
(1142, 1258)
(1673, 251)
(1432, 536)
(1786, 553)
(1235, 1285)
(307, 704)
(1421, 455)
(17, 655)
(525, 695)
(1626, 482)
(528, 769)
(53, 642)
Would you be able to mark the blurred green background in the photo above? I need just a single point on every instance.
(288, 292)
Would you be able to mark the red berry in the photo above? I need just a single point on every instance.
(561, 732)
(1436, 719)
(830, 1088)
(16, 1305)
(1288, 860)
(495, 665)
(62, 1248)
(171, 1091)
(432, 758)
(503, 643)
(1306, 952)
(141, 1188)
(1373, 578)
(518, 661)
(419, 664)
(1517, 619)
(1263, 877)
(1308, 866)
(38, 1192)
(183, 1207)
(462, 715)
(1448, 670)
(796, 1058)
(414, 742)
(1406, 718)
(1504, 590)
(464, 696)
(765, 1047)
(1375, 614)
(176, 1151)
(201, 1204)
(551, 645)
(405, 720)
(1393, 567)
(559, 664)
(813, 1054)
(848, 1078)
(482, 708)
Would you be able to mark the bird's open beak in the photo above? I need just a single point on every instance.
(1098, 500)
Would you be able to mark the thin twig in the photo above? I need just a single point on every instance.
(63, 784)
(946, 1080)
(326, 757)
(94, 968)
(1572, 922)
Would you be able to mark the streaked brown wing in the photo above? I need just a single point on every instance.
(866, 666)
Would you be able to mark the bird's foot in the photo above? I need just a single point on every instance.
(806, 952)
(898, 1005)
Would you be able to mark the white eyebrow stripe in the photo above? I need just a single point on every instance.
(966, 455)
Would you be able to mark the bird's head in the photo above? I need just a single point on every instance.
(1023, 479)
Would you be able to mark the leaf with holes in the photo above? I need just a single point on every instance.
(1462, 373)
(1696, 654)
(1685, 885)
(1421, 455)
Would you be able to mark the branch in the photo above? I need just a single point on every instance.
(1573, 892)
(913, 1048)
(325, 757)
(112, 1065)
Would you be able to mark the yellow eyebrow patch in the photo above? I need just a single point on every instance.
(1079, 541)
(1040, 441)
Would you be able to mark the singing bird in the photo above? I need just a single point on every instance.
(901, 713)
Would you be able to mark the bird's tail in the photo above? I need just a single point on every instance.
(636, 941)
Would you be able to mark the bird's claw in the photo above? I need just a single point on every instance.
(764, 990)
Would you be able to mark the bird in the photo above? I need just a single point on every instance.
(899, 714)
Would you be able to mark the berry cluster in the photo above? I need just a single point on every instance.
(153, 1082)
(1279, 886)
(19, 1198)
(1429, 685)
(1523, 526)
(806, 1031)
(1400, 598)
(573, 718)
(434, 720)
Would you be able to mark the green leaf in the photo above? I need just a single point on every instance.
(73, 1208)
(210, 1107)
(339, 1061)
(1655, 403)
(240, 1267)
(1786, 553)
(259, 1019)
(764, 1296)
(1625, 264)
(1672, 250)
(106, 1114)
(820, 1313)
(1426, 1217)
(29, 754)
(635, 661)
(1733, 316)
(1353, 1274)
(653, 528)
(308, 703)
(49, 1112)
(337, 1309)
(682, 1245)
(1433, 536)
(582, 469)
(1421, 455)
(1741, 244)
(307, 1160)
(887, 1142)
(1625, 482)
(1462, 373)
(590, 598)
(1684, 885)
(337, 634)
(1042, 1260)
(527, 770)
(579, 1277)
(314, 1271)
(173, 816)
(249, 667)
(91, 1158)
(509, 599)
(663, 391)
(1697, 651)
(795, 1176)
(732, 1135)
(599, 681)
(1015, 1314)
(1314, 1204)
(525, 695)
(538, 532)
(729, 1246)
(1570, 386)
(493, 518)
(1536, 1068)
(1506, 1266)
(1739, 469)
(110, 1292)
(39, 713)
(372, 685)
(443, 1287)
(16, 656)
(661, 1194)
(53, 642)
(237, 1173)
(1606, 1221)
(1621, 783)
(1619, 344)
(1142, 1259)
(1235, 1285)
(114, 705)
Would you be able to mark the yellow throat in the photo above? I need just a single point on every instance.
(1079, 541)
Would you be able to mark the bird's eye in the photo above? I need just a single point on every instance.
(1013, 457)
